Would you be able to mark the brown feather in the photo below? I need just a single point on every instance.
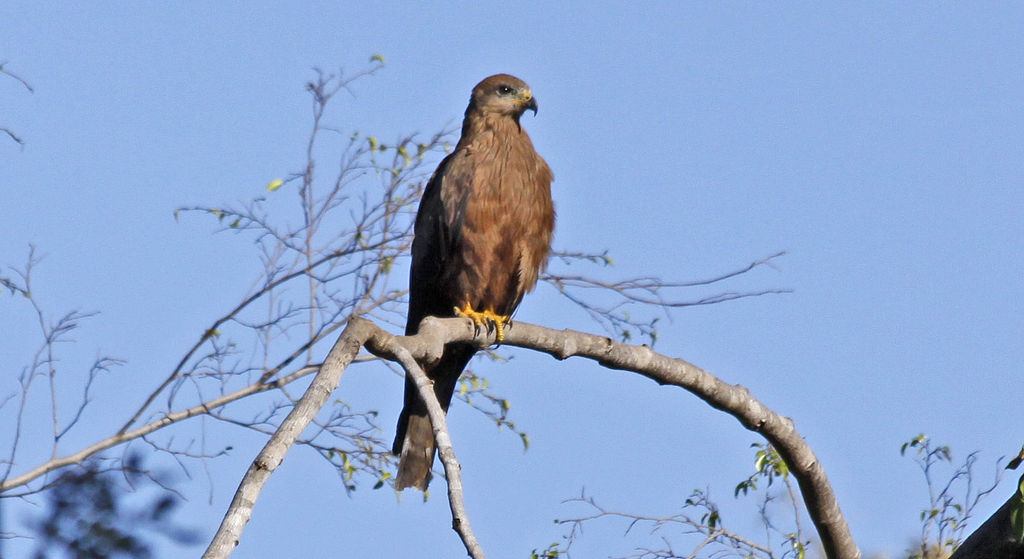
(483, 234)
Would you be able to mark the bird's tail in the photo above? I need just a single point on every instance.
(414, 440)
(416, 453)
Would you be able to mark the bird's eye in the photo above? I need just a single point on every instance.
(505, 90)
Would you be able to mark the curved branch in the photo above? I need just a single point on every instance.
(428, 345)
(18, 78)
(735, 400)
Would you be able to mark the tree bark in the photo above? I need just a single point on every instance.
(427, 346)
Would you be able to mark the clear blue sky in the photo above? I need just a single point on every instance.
(880, 144)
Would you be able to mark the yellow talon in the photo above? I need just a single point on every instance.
(486, 317)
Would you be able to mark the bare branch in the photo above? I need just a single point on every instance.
(21, 80)
(999, 537)
(946, 518)
(10, 133)
(82, 455)
(652, 292)
(736, 400)
(341, 355)
(388, 344)
(209, 332)
(357, 333)
(708, 526)
(428, 345)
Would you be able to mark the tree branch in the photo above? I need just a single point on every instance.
(648, 291)
(712, 531)
(427, 347)
(18, 78)
(168, 419)
(735, 400)
(326, 380)
(10, 133)
(386, 344)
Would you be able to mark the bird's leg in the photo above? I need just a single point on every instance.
(491, 318)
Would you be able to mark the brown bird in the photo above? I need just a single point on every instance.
(483, 233)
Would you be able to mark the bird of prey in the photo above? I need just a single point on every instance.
(482, 236)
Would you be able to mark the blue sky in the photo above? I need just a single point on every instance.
(879, 144)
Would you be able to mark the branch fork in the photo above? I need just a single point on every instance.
(427, 346)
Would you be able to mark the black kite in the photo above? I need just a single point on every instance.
(483, 233)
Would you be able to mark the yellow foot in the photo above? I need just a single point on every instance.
(490, 318)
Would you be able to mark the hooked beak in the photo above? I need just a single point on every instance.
(531, 104)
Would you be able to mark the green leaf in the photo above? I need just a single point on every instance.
(713, 520)
(274, 185)
(798, 547)
(917, 442)
(347, 466)
(760, 461)
(1017, 512)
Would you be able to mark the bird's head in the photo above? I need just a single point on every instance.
(503, 94)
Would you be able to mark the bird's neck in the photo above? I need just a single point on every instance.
(478, 123)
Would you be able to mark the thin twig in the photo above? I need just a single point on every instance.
(21, 80)
(170, 418)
